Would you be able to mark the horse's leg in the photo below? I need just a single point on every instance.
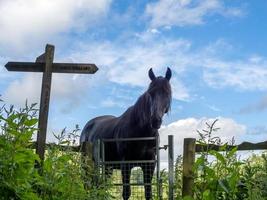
(148, 170)
(126, 173)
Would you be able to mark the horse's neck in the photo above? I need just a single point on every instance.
(127, 126)
(145, 131)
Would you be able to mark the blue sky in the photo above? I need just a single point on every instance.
(216, 50)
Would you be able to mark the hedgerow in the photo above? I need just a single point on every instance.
(219, 175)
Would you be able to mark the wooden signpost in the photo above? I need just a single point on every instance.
(44, 63)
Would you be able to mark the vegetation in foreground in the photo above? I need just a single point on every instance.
(63, 174)
(221, 175)
(218, 175)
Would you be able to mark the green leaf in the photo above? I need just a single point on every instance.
(31, 122)
(223, 186)
(210, 171)
(232, 152)
(218, 155)
(223, 147)
(206, 195)
(188, 198)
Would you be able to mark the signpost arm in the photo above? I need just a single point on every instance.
(44, 101)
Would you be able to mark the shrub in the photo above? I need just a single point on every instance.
(63, 172)
(221, 175)
(18, 176)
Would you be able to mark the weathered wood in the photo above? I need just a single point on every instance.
(25, 66)
(77, 68)
(44, 101)
(188, 162)
(40, 59)
(39, 66)
(241, 147)
(171, 168)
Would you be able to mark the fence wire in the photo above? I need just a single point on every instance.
(137, 180)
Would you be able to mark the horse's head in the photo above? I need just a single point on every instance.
(160, 92)
(155, 102)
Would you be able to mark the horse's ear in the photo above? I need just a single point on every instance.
(168, 74)
(151, 74)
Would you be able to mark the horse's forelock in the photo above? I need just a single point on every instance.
(162, 87)
(160, 84)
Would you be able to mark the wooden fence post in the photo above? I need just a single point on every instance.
(87, 163)
(188, 162)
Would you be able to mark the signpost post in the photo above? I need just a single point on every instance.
(44, 63)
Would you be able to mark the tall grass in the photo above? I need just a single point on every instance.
(62, 174)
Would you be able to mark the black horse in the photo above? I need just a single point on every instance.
(143, 119)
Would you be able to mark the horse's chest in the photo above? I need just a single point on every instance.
(146, 150)
(141, 151)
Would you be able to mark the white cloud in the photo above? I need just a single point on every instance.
(180, 92)
(29, 87)
(127, 62)
(130, 67)
(3, 72)
(110, 102)
(186, 12)
(27, 22)
(115, 65)
(214, 108)
(64, 87)
(187, 128)
(241, 74)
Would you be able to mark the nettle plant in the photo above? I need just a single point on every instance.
(218, 173)
(62, 175)
(18, 177)
(222, 175)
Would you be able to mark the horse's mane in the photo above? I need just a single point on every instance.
(141, 110)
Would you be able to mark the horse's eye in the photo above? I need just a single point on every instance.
(167, 109)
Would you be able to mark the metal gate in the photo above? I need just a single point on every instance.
(114, 180)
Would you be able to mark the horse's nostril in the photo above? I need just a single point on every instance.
(158, 120)
(156, 123)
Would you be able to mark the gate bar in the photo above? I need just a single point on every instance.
(98, 152)
(129, 139)
(129, 162)
(158, 168)
(103, 160)
(170, 171)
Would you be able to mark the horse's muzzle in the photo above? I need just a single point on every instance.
(156, 123)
